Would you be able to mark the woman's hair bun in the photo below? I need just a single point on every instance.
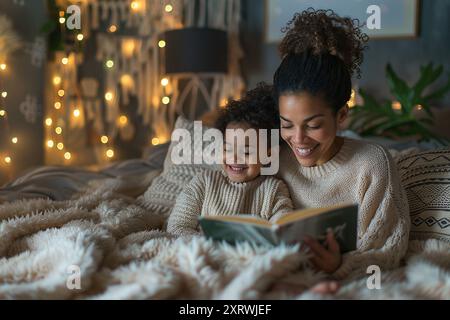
(322, 32)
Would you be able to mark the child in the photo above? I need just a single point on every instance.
(239, 188)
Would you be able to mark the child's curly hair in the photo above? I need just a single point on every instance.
(322, 31)
(320, 52)
(256, 108)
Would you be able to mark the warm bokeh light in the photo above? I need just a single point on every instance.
(109, 96)
(50, 143)
(155, 141)
(76, 113)
(2, 113)
(123, 120)
(67, 156)
(396, 105)
(56, 80)
(109, 63)
(164, 82)
(65, 60)
(57, 105)
(168, 8)
(135, 5)
(110, 153)
(14, 140)
(7, 159)
(104, 139)
(161, 43)
(58, 130)
(3, 66)
(62, 13)
(112, 28)
(128, 47)
(62, 20)
(61, 93)
(4, 94)
(60, 146)
(80, 37)
(165, 100)
(48, 122)
(419, 107)
(352, 102)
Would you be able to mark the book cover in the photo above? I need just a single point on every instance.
(289, 229)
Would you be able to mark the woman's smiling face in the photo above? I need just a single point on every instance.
(309, 126)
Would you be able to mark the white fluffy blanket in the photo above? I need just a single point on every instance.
(104, 244)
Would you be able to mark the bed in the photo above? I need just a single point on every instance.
(68, 233)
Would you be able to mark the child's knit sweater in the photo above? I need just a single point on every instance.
(212, 193)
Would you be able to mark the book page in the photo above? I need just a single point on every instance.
(303, 214)
(241, 218)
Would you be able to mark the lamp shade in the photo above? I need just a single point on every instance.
(196, 50)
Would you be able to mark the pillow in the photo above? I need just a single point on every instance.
(183, 123)
(426, 179)
(160, 197)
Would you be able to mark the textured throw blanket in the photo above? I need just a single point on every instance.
(108, 243)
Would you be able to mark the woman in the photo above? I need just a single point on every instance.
(320, 53)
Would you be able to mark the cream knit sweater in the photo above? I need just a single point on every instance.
(362, 173)
(212, 193)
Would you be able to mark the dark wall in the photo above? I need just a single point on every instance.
(406, 56)
(24, 78)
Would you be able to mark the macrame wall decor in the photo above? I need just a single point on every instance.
(129, 42)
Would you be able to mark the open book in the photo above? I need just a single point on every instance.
(289, 229)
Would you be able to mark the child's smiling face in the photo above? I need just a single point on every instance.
(240, 161)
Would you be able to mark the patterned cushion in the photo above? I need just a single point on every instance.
(426, 179)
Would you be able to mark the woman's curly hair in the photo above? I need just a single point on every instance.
(322, 31)
(320, 52)
(256, 108)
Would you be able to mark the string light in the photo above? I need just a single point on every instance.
(58, 130)
(109, 63)
(48, 122)
(135, 5)
(112, 28)
(155, 141)
(61, 13)
(57, 105)
(168, 8)
(80, 37)
(7, 160)
(352, 102)
(2, 66)
(396, 105)
(110, 153)
(109, 96)
(104, 139)
(165, 100)
(56, 80)
(65, 60)
(62, 20)
(2, 113)
(14, 140)
(164, 82)
(161, 43)
(4, 94)
(76, 113)
(60, 146)
(123, 120)
(61, 93)
(50, 143)
(67, 156)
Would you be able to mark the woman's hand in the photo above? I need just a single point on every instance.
(326, 258)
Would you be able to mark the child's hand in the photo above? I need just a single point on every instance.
(327, 259)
